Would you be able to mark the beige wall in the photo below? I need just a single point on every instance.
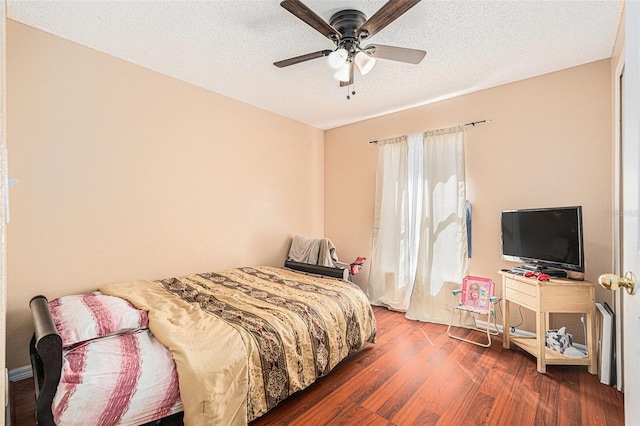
(126, 174)
(548, 144)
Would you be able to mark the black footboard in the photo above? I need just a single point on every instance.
(46, 359)
(317, 269)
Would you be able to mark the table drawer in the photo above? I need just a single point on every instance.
(522, 287)
(524, 299)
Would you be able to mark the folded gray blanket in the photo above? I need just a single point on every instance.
(317, 251)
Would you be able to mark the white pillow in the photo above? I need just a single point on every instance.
(84, 317)
(127, 379)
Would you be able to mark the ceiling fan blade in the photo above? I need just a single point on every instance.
(301, 58)
(402, 54)
(307, 15)
(350, 82)
(388, 13)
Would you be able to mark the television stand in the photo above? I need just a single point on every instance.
(544, 298)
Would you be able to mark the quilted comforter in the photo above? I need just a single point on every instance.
(245, 339)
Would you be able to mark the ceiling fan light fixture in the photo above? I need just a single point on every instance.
(343, 74)
(347, 29)
(364, 62)
(337, 58)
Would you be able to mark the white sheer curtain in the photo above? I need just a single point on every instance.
(419, 235)
(396, 223)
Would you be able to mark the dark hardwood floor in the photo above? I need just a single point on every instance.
(416, 375)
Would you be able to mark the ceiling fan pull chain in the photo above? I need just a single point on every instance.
(351, 88)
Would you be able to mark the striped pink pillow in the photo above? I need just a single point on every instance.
(128, 379)
(84, 317)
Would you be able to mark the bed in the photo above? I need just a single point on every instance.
(223, 347)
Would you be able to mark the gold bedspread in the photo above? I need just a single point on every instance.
(244, 339)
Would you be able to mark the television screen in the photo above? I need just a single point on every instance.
(548, 237)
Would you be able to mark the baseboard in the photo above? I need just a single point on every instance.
(20, 373)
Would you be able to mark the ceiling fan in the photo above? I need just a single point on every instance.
(347, 29)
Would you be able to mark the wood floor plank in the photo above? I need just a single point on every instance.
(332, 411)
(426, 418)
(390, 334)
(612, 414)
(462, 387)
(593, 408)
(358, 415)
(479, 409)
(379, 372)
(443, 361)
(499, 371)
(416, 375)
(549, 391)
(519, 402)
(569, 397)
(364, 382)
(408, 378)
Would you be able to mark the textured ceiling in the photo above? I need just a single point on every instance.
(229, 47)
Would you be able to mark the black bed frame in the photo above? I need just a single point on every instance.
(46, 359)
(317, 269)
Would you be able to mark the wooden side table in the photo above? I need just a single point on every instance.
(545, 297)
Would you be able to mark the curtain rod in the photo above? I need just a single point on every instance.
(473, 123)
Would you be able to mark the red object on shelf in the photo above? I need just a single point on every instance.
(539, 275)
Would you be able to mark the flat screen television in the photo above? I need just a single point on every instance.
(545, 239)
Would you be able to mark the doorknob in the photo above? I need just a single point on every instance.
(614, 282)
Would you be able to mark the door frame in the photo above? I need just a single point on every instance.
(616, 297)
(4, 195)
